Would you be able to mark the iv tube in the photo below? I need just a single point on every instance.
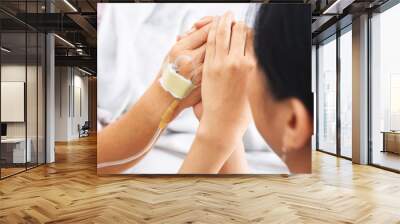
(165, 119)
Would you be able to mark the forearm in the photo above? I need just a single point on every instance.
(130, 134)
(236, 163)
(210, 151)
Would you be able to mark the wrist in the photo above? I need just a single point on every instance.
(216, 144)
(155, 101)
(225, 125)
(160, 93)
(167, 97)
(215, 130)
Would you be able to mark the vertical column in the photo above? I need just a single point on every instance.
(92, 101)
(360, 90)
(313, 89)
(338, 80)
(50, 92)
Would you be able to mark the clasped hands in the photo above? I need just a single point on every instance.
(223, 60)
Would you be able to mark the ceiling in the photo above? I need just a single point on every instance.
(76, 22)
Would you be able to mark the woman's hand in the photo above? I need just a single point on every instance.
(224, 109)
(229, 61)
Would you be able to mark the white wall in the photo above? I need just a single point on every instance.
(71, 94)
(81, 102)
(61, 103)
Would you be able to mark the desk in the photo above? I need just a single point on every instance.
(13, 150)
(391, 141)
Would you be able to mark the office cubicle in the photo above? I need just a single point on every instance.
(22, 77)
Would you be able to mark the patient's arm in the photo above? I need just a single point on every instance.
(216, 149)
(236, 163)
(132, 131)
(210, 150)
(130, 134)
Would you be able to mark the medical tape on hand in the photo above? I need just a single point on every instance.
(174, 83)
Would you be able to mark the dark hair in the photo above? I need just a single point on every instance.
(282, 44)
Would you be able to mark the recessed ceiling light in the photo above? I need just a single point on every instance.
(337, 7)
(65, 41)
(5, 50)
(70, 5)
(84, 71)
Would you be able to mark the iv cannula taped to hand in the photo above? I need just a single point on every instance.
(179, 87)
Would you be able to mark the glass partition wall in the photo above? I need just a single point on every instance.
(327, 95)
(345, 92)
(13, 90)
(334, 89)
(385, 89)
(22, 107)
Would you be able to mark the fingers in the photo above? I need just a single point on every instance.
(187, 66)
(210, 46)
(203, 21)
(198, 25)
(197, 75)
(238, 42)
(224, 34)
(199, 55)
(179, 37)
(195, 39)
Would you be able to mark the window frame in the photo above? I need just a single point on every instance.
(334, 37)
(378, 10)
